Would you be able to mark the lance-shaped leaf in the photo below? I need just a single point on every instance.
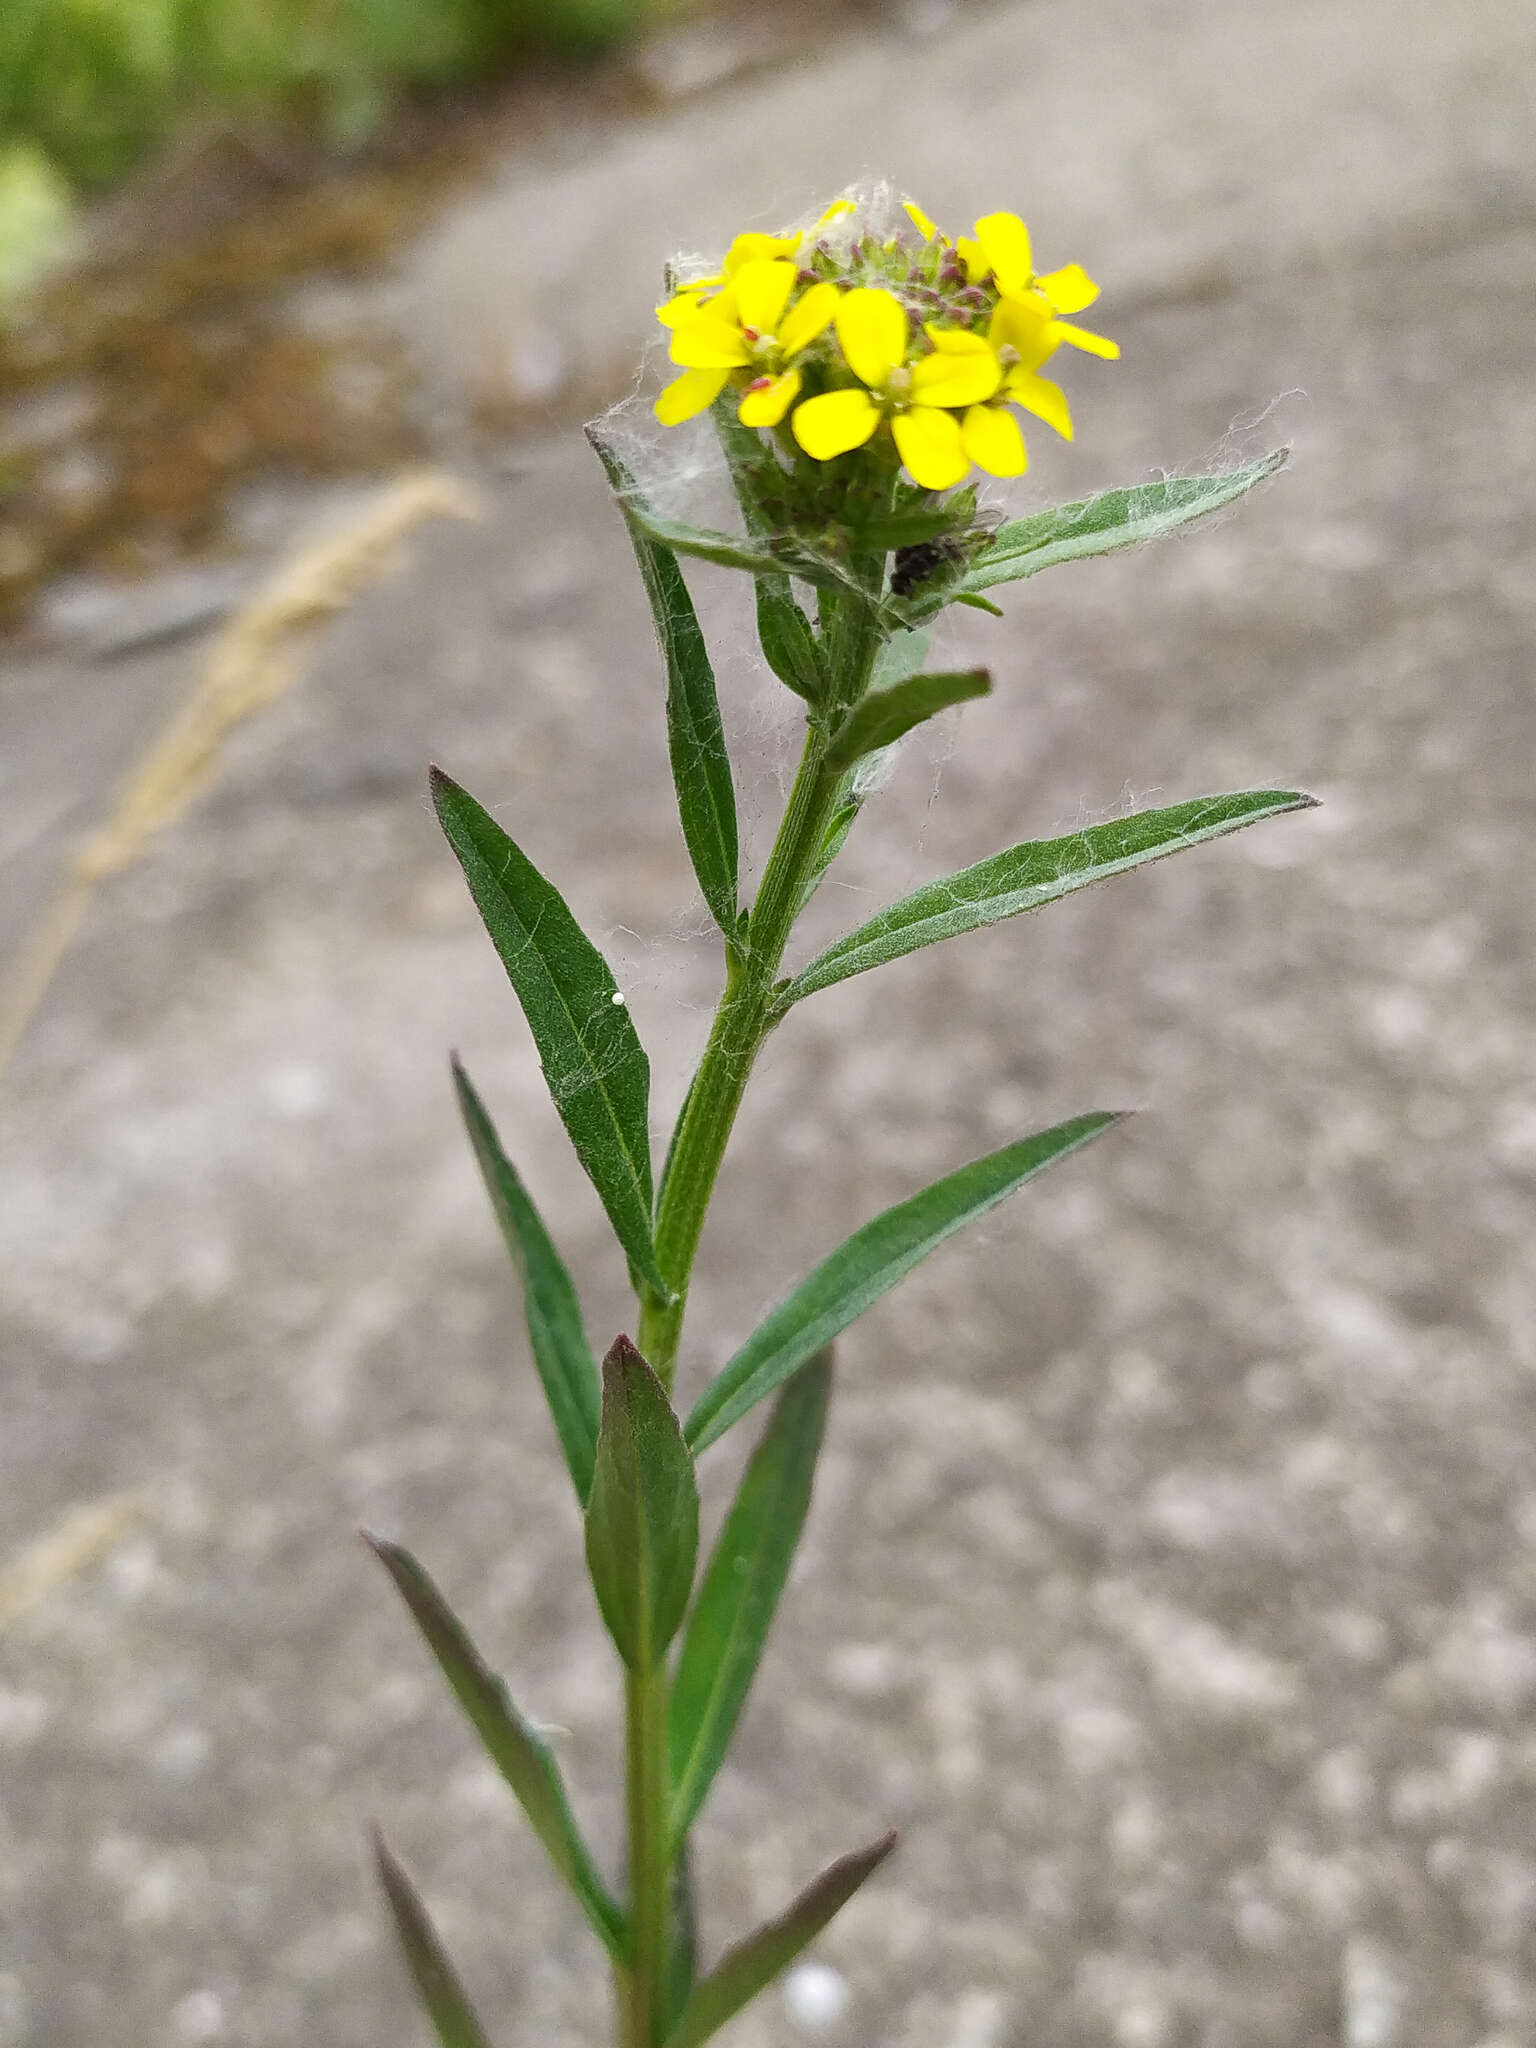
(778, 557)
(436, 1980)
(594, 1065)
(788, 643)
(1111, 521)
(522, 1756)
(555, 1329)
(783, 630)
(868, 1264)
(643, 1517)
(701, 767)
(742, 1583)
(1037, 872)
(753, 1964)
(881, 718)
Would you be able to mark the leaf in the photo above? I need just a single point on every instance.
(844, 816)
(643, 1517)
(436, 1980)
(753, 1964)
(742, 1583)
(867, 1265)
(522, 1756)
(555, 1329)
(1037, 872)
(1113, 520)
(788, 643)
(881, 718)
(594, 1065)
(701, 767)
(783, 630)
(901, 656)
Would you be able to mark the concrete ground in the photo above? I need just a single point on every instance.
(1169, 1582)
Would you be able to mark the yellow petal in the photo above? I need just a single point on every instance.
(766, 402)
(1005, 242)
(990, 436)
(962, 370)
(974, 257)
(925, 227)
(1090, 344)
(709, 343)
(682, 305)
(1047, 401)
(806, 319)
(835, 422)
(1025, 326)
(694, 392)
(838, 210)
(754, 248)
(873, 331)
(1069, 289)
(762, 292)
(929, 444)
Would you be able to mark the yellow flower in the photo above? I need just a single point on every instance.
(1023, 334)
(751, 248)
(962, 370)
(746, 327)
(1001, 251)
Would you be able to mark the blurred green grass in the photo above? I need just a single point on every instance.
(89, 88)
(93, 84)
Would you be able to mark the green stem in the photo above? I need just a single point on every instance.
(642, 1987)
(853, 636)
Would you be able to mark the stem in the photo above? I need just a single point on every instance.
(853, 637)
(642, 1987)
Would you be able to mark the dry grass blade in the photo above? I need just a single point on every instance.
(254, 661)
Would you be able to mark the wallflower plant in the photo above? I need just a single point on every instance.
(854, 373)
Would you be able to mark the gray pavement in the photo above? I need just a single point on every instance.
(1170, 1577)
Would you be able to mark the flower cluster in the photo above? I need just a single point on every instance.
(844, 334)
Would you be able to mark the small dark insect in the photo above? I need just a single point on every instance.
(916, 565)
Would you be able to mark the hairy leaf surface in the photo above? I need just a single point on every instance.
(867, 1265)
(1027, 876)
(594, 1065)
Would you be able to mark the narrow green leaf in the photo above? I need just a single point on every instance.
(1037, 872)
(740, 1592)
(594, 1065)
(867, 1265)
(753, 1964)
(522, 1756)
(643, 1517)
(844, 816)
(436, 1980)
(881, 718)
(701, 767)
(707, 543)
(1112, 520)
(783, 630)
(555, 1329)
(901, 656)
(787, 640)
